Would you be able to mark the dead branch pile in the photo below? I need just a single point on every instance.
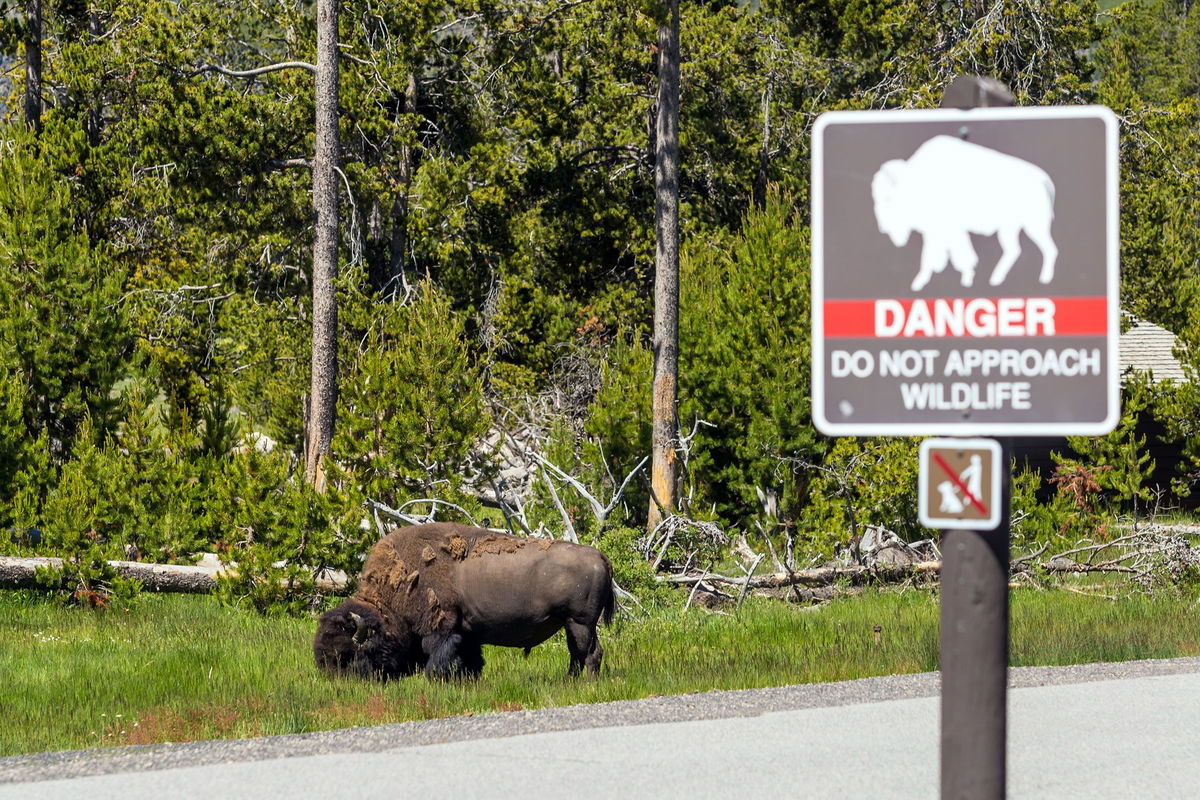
(819, 576)
(683, 541)
(1151, 555)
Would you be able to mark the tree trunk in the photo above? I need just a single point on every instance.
(94, 120)
(666, 269)
(33, 65)
(325, 248)
(387, 229)
(399, 251)
(764, 154)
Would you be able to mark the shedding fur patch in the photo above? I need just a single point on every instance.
(458, 547)
(496, 545)
(436, 615)
(544, 544)
(397, 574)
(427, 555)
(412, 581)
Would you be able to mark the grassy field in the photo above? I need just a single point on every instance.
(178, 668)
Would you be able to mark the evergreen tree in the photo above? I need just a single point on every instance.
(63, 333)
(1153, 85)
(411, 405)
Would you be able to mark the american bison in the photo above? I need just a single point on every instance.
(431, 596)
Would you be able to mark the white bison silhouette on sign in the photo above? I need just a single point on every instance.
(949, 189)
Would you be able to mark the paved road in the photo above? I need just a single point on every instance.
(1096, 731)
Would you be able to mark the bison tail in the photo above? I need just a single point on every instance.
(610, 601)
(610, 607)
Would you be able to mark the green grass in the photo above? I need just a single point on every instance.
(178, 668)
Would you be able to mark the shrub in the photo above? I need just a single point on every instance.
(1117, 463)
(77, 523)
(63, 330)
(1035, 523)
(283, 534)
(744, 367)
(410, 406)
(861, 482)
(632, 572)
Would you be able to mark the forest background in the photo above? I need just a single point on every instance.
(495, 283)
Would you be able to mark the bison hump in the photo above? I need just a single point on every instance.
(495, 545)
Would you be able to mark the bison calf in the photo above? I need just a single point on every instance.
(431, 596)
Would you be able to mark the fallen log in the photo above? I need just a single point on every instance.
(821, 576)
(814, 595)
(1178, 529)
(1068, 565)
(857, 574)
(19, 573)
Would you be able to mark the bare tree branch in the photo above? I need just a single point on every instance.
(600, 510)
(287, 163)
(253, 73)
(569, 528)
(695, 588)
(418, 519)
(749, 576)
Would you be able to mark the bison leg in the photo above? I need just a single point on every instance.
(934, 255)
(1010, 249)
(585, 649)
(963, 256)
(452, 656)
(595, 656)
(471, 655)
(1040, 234)
(445, 658)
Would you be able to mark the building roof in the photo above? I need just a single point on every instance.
(1145, 347)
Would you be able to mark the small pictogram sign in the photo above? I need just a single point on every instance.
(959, 484)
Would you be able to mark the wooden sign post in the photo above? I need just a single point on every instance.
(964, 283)
(973, 647)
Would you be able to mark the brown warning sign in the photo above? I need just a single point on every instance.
(964, 272)
(959, 484)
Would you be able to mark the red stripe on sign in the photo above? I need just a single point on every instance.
(849, 318)
(965, 317)
(1082, 316)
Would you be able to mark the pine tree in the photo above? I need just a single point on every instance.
(63, 332)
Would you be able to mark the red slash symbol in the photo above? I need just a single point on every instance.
(941, 462)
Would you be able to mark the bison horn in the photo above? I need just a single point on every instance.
(362, 632)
